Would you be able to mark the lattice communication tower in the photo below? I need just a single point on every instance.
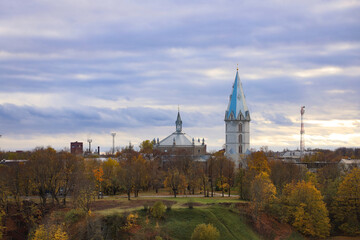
(302, 132)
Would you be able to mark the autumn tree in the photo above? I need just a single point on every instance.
(98, 175)
(262, 191)
(4, 187)
(42, 172)
(112, 178)
(257, 163)
(51, 232)
(347, 203)
(305, 209)
(72, 166)
(141, 174)
(85, 188)
(175, 180)
(146, 148)
(285, 173)
(329, 179)
(156, 174)
(224, 171)
(205, 232)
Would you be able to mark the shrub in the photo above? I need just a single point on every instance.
(168, 205)
(146, 206)
(158, 210)
(190, 203)
(54, 232)
(113, 224)
(205, 232)
(74, 215)
(158, 238)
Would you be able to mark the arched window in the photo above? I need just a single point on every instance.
(240, 149)
(240, 139)
(240, 127)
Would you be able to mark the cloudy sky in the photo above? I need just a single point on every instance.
(73, 70)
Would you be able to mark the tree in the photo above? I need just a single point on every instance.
(158, 210)
(98, 174)
(347, 203)
(141, 174)
(259, 163)
(224, 170)
(284, 173)
(51, 232)
(85, 188)
(175, 181)
(72, 166)
(262, 191)
(156, 175)
(4, 187)
(42, 172)
(146, 147)
(305, 209)
(2, 228)
(112, 171)
(205, 232)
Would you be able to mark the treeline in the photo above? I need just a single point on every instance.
(317, 204)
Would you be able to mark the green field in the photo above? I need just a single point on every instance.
(180, 223)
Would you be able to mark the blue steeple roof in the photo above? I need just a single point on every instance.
(237, 103)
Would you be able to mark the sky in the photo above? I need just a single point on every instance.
(77, 70)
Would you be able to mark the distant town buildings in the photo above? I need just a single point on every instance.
(237, 125)
(294, 156)
(76, 148)
(349, 163)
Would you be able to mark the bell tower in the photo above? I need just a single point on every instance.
(237, 124)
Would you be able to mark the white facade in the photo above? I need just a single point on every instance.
(237, 125)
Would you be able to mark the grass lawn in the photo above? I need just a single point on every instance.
(180, 202)
(180, 223)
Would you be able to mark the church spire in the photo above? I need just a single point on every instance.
(178, 122)
(237, 108)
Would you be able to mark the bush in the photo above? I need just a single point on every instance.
(146, 206)
(113, 225)
(74, 215)
(158, 210)
(168, 205)
(190, 203)
(158, 238)
(205, 232)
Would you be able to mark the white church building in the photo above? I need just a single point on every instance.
(237, 125)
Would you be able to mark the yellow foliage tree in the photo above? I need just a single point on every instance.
(205, 232)
(53, 232)
(175, 181)
(259, 163)
(306, 209)
(2, 228)
(346, 206)
(262, 191)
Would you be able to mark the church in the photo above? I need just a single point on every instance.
(237, 132)
(237, 125)
(180, 143)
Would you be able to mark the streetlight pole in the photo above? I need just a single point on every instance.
(113, 148)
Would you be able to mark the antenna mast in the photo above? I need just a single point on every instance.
(113, 148)
(302, 132)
